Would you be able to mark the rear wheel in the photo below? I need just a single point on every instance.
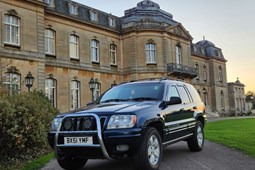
(196, 142)
(150, 153)
(72, 163)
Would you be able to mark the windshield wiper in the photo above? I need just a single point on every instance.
(143, 98)
(114, 100)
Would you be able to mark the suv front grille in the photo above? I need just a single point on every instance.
(86, 123)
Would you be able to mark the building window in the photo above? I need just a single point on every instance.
(195, 49)
(96, 92)
(93, 16)
(205, 96)
(74, 46)
(49, 2)
(49, 40)
(113, 50)
(50, 90)
(220, 74)
(112, 22)
(197, 68)
(95, 51)
(204, 73)
(222, 103)
(203, 51)
(73, 9)
(12, 82)
(150, 53)
(75, 94)
(12, 30)
(178, 54)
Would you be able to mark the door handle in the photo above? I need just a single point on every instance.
(195, 107)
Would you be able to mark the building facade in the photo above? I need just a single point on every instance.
(65, 45)
(237, 98)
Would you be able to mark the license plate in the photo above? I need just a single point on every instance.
(78, 140)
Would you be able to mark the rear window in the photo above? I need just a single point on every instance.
(194, 94)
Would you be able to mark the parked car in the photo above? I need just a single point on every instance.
(136, 119)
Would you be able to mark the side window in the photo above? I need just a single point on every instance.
(172, 92)
(183, 94)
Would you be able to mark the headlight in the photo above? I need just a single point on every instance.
(55, 124)
(121, 121)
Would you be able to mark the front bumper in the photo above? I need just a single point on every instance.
(105, 143)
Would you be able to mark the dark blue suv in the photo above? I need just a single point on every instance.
(135, 119)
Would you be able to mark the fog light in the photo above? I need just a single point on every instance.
(122, 148)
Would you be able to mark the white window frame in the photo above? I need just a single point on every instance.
(112, 22)
(178, 54)
(51, 90)
(73, 9)
(12, 82)
(49, 40)
(222, 103)
(97, 91)
(204, 73)
(150, 49)
(9, 30)
(95, 56)
(93, 16)
(220, 74)
(74, 46)
(113, 54)
(75, 102)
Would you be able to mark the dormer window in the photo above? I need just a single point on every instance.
(217, 53)
(93, 16)
(73, 9)
(112, 22)
(50, 3)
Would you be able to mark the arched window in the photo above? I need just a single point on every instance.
(49, 40)
(150, 53)
(222, 102)
(74, 46)
(178, 54)
(51, 90)
(12, 82)
(220, 74)
(204, 73)
(197, 68)
(95, 51)
(113, 52)
(11, 30)
(75, 94)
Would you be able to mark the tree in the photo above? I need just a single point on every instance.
(250, 98)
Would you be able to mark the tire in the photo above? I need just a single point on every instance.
(196, 142)
(149, 154)
(72, 163)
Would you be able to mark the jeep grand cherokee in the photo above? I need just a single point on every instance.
(135, 119)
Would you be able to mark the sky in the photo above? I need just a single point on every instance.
(229, 24)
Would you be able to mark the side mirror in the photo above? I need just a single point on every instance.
(174, 100)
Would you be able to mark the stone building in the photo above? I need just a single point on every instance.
(64, 44)
(237, 103)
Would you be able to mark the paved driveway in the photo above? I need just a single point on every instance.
(178, 157)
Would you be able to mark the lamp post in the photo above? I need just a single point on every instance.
(29, 80)
(114, 84)
(93, 83)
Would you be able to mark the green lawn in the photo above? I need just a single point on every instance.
(237, 133)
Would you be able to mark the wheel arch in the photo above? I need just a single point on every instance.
(157, 124)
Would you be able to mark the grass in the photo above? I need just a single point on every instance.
(238, 134)
(38, 163)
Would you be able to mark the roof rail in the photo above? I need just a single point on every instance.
(153, 78)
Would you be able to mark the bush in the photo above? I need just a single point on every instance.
(25, 120)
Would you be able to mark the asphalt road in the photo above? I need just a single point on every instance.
(178, 157)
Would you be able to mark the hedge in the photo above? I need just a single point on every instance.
(25, 120)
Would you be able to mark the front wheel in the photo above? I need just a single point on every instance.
(72, 163)
(196, 142)
(150, 153)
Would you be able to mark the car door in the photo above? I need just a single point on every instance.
(178, 116)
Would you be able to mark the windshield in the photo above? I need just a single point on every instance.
(133, 92)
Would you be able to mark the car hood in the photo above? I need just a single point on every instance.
(115, 107)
